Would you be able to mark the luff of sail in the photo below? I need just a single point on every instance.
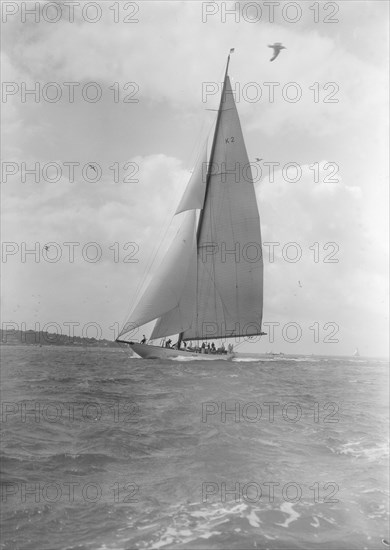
(229, 259)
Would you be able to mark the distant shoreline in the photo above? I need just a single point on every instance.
(41, 338)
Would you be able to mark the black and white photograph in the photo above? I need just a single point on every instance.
(195, 275)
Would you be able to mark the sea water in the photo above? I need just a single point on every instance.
(104, 451)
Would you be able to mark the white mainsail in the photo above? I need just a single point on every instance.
(230, 264)
(210, 284)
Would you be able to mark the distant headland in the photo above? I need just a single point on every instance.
(14, 337)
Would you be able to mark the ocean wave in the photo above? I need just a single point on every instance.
(192, 522)
(360, 449)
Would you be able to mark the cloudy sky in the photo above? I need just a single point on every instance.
(128, 94)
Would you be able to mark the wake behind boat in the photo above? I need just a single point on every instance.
(209, 285)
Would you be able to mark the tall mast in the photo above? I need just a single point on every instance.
(208, 177)
(212, 151)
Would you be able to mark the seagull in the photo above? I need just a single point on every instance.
(92, 166)
(46, 247)
(276, 47)
(258, 160)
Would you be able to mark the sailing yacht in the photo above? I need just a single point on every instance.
(209, 285)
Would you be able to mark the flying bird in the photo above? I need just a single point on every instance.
(46, 247)
(92, 166)
(276, 47)
(258, 160)
(299, 282)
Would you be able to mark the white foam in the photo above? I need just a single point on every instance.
(182, 358)
(316, 522)
(249, 359)
(357, 450)
(253, 519)
(288, 508)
